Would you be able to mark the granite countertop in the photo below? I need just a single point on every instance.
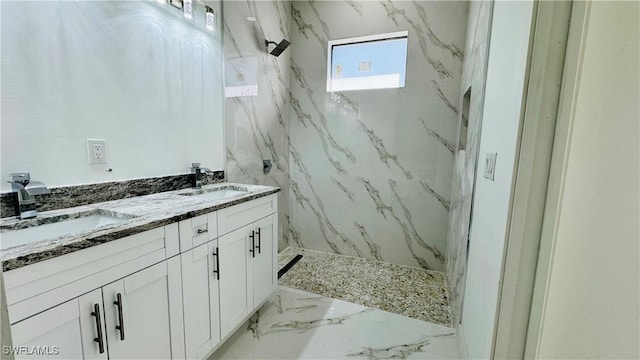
(139, 214)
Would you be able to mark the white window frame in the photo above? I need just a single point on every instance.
(360, 39)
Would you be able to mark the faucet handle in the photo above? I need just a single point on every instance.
(22, 178)
(37, 188)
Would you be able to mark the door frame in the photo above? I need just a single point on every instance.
(541, 133)
(566, 115)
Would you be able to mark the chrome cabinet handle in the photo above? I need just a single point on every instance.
(99, 339)
(120, 326)
(259, 241)
(253, 243)
(202, 231)
(216, 271)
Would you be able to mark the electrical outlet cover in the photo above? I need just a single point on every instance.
(97, 151)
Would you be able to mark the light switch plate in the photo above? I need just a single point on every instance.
(490, 166)
(97, 151)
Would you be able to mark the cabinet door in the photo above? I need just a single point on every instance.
(201, 303)
(66, 331)
(235, 299)
(214, 291)
(137, 315)
(265, 277)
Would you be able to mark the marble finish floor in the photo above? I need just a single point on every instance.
(408, 291)
(295, 324)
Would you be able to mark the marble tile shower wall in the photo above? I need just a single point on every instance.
(257, 127)
(473, 77)
(371, 170)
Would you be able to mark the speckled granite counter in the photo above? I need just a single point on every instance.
(139, 214)
(77, 195)
(412, 292)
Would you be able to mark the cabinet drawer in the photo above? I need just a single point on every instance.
(198, 230)
(237, 216)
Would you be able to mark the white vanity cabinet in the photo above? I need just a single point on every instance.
(127, 319)
(248, 273)
(234, 267)
(67, 331)
(248, 261)
(201, 299)
(138, 313)
(69, 301)
(237, 271)
(173, 292)
(264, 259)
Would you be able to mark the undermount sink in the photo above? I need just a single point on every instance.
(23, 232)
(218, 193)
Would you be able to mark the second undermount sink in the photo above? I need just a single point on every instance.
(218, 193)
(23, 232)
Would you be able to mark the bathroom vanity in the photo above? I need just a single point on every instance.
(173, 275)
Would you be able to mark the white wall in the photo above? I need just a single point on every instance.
(505, 85)
(592, 300)
(135, 73)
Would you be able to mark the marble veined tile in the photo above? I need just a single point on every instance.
(412, 292)
(473, 80)
(370, 171)
(256, 127)
(296, 324)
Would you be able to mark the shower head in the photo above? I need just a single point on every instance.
(279, 47)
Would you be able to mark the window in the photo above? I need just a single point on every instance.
(367, 62)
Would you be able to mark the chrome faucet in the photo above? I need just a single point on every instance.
(196, 171)
(26, 191)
